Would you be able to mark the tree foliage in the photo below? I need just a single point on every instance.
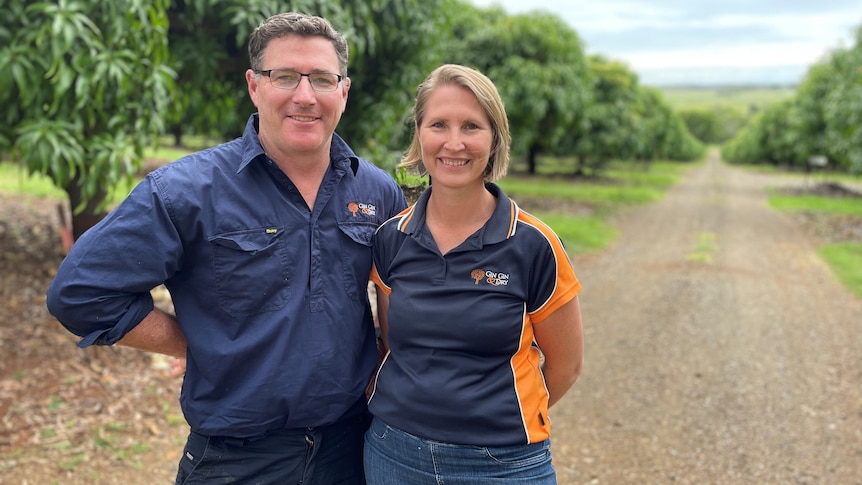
(88, 85)
(823, 118)
(713, 125)
(539, 67)
(627, 121)
(85, 85)
(396, 45)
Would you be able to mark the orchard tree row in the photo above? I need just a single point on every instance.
(823, 120)
(88, 85)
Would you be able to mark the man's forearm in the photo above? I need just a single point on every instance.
(159, 332)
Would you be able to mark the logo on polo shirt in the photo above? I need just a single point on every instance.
(362, 208)
(493, 278)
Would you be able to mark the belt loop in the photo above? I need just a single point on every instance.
(235, 442)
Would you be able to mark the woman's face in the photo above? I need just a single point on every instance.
(456, 136)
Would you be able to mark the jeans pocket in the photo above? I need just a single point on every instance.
(378, 429)
(520, 455)
(194, 454)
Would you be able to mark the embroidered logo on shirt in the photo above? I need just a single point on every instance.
(492, 278)
(362, 208)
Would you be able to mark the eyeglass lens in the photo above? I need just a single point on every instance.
(290, 79)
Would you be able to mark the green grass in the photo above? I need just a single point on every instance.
(704, 248)
(580, 235)
(845, 259)
(621, 185)
(815, 204)
(602, 196)
(166, 154)
(14, 180)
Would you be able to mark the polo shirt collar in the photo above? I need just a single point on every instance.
(500, 226)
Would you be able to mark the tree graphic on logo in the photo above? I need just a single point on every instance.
(353, 207)
(477, 275)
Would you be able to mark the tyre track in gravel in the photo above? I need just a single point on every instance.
(719, 348)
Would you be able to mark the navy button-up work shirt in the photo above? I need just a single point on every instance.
(270, 295)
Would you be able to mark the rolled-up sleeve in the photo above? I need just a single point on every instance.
(102, 288)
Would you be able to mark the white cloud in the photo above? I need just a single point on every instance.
(752, 39)
(760, 55)
(615, 17)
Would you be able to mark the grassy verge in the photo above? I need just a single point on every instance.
(580, 235)
(816, 204)
(845, 258)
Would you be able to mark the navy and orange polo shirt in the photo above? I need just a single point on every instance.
(462, 366)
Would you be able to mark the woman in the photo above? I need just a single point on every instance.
(470, 290)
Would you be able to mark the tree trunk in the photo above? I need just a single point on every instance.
(580, 163)
(177, 132)
(531, 159)
(91, 212)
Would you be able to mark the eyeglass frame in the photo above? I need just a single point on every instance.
(268, 72)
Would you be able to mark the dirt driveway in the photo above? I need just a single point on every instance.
(720, 350)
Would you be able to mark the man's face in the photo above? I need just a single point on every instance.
(299, 122)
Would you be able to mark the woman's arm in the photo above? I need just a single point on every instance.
(561, 339)
(383, 316)
(383, 343)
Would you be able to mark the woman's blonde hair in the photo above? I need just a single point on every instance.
(490, 101)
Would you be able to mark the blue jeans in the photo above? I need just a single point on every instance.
(395, 457)
(326, 455)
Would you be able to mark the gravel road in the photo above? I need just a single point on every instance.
(719, 348)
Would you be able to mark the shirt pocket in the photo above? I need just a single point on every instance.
(359, 232)
(251, 271)
(356, 256)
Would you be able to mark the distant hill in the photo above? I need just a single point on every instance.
(747, 98)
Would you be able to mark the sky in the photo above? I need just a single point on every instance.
(707, 42)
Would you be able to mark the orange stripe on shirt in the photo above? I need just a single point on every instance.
(530, 386)
(375, 278)
(566, 278)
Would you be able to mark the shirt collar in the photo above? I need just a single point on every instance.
(340, 153)
(500, 226)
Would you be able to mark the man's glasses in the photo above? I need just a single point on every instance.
(290, 79)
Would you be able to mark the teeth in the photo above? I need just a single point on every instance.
(303, 118)
(454, 163)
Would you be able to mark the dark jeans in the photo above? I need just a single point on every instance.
(327, 455)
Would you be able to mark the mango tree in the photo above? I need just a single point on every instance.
(610, 118)
(84, 86)
(538, 64)
(823, 118)
(843, 107)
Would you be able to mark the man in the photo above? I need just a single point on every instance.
(264, 244)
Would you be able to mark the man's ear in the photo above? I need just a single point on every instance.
(253, 82)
